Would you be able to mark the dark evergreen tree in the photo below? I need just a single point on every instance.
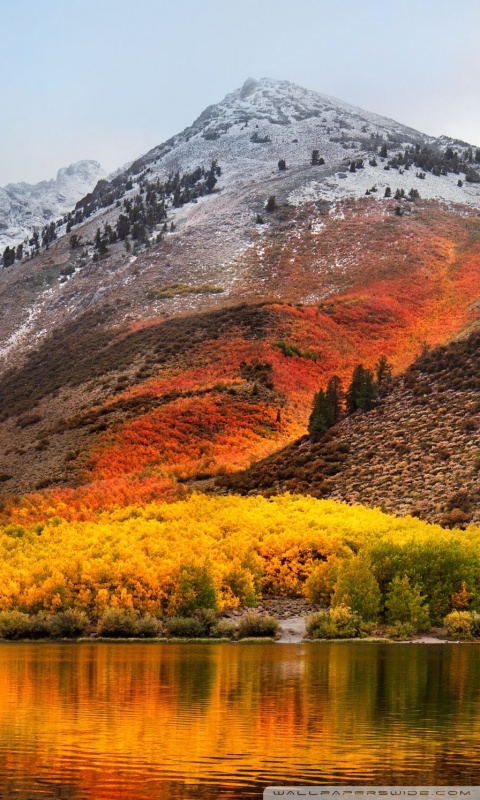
(315, 158)
(383, 374)
(101, 243)
(319, 421)
(271, 203)
(383, 151)
(210, 178)
(362, 392)
(282, 165)
(123, 227)
(327, 407)
(8, 257)
(335, 398)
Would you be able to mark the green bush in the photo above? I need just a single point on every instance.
(14, 625)
(401, 630)
(148, 627)
(196, 589)
(257, 625)
(366, 629)
(357, 588)
(436, 567)
(475, 624)
(122, 624)
(208, 619)
(459, 623)
(405, 605)
(184, 627)
(40, 626)
(117, 623)
(224, 629)
(316, 621)
(67, 624)
(340, 622)
(320, 584)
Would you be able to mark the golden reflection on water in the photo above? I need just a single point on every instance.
(135, 721)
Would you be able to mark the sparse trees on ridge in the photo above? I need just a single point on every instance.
(327, 407)
(365, 387)
(362, 392)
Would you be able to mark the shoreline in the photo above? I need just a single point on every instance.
(425, 640)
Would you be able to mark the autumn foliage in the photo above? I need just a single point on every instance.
(216, 552)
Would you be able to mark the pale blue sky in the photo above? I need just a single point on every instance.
(109, 79)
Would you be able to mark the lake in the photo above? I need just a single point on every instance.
(158, 721)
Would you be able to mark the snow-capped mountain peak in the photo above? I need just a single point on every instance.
(24, 206)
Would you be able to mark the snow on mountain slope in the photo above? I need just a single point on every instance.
(247, 133)
(24, 206)
(264, 121)
(221, 238)
(255, 126)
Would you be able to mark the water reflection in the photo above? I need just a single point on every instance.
(162, 721)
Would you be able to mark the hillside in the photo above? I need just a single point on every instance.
(132, 410)
(179, 330)
(417, 452)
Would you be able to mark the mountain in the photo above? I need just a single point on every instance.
(179, 329)
(24, 206)
(255, 126)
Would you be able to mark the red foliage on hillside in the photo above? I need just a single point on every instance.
(378, 284)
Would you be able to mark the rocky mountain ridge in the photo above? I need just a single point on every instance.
(24, 206)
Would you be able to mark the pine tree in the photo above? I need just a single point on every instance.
(327, 407)
(271, 203)
(319, 421)
(315, 158)
(383, 373)
(362, 392)
(282, 165)
(8, 257)
(335, 398)
(123, 227)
